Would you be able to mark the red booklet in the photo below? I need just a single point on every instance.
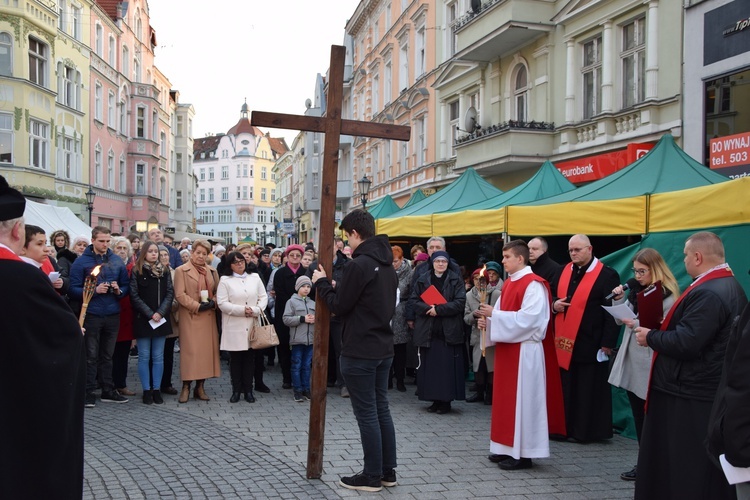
(432, 297)
(650, 306)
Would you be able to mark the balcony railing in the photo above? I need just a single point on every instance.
(471, 15)
(504, 127)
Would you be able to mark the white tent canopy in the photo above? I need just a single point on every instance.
(52, 218)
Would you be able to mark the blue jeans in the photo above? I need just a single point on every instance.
(301, 365)
(367, 382)
(100, 338)
(151, 351)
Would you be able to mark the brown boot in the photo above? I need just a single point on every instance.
(185, 393)
(199, 392)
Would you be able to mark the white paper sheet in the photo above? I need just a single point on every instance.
(734, 474)
(156, 324)
(620, 312)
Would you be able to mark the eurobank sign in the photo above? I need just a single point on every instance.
(591, 168)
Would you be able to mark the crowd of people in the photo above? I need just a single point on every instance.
(538, 346)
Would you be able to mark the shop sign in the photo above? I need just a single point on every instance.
(596, 167)
(731, 154)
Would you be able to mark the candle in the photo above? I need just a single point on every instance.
(204, 295)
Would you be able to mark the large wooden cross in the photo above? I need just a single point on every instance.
(333, 126)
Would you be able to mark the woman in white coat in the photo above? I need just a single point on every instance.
(241, 298)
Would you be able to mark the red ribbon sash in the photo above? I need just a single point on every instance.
(567, 323)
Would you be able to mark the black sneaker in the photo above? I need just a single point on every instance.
(113, 397)
(306, 395)
(298, 397)
(134, 351)
(90, 401)
(361, 482)
(389, 478)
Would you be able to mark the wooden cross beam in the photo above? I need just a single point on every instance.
(333, 126)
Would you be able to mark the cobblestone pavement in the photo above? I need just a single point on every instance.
(216, 449)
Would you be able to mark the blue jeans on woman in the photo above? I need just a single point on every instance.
(151, 350)
(301, 365)
(367, 382)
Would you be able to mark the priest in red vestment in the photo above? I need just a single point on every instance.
(518, 324)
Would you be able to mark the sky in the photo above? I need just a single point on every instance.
(218, 53)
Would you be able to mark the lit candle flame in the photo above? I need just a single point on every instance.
(483, 272)
(95, 271)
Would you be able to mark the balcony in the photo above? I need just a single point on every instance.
(500, 26)
(506, 147)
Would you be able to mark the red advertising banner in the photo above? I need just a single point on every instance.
(730, 151)
(596, 167)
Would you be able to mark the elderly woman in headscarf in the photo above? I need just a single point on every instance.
(440, 299)
(484, 362)
(195, 286)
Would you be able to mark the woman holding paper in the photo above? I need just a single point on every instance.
(151, 295)
(632, 364)
(440, 298)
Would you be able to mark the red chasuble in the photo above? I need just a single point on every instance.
(568, 322)
(6, 254)
(506, 372)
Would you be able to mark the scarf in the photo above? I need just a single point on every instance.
(203, 280)
(156, 270)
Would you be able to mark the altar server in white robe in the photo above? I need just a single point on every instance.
(518, 324)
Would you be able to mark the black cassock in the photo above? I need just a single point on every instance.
(42, 367)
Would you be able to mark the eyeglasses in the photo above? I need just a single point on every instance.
(639, 272)
(576, 250)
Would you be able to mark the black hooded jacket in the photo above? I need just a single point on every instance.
(365, 299)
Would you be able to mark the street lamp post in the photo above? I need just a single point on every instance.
(298, 211)
(364, 190)
(90, 195)
(264, 235)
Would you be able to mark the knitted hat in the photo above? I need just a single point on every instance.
(421, 257)
(299, 248)
(494, 266)
(219, 249)
(440, 254)
(12, 202)
(302, 281)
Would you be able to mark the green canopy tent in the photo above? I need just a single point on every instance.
(416, 220)
(488, 216)
(384, 207)
(416, 197)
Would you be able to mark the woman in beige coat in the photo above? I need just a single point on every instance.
(199, 336)
(241, 298)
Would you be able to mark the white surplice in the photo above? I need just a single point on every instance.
(528, 327)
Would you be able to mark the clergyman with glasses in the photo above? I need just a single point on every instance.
(585, 335)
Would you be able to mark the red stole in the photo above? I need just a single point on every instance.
(47, 266)
(6, 254)
(567, 323)
(507, 358)
(724, 272)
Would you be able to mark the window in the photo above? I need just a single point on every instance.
(387, 158)
(163, 144)
(388, 16)
(263, 194)
(263, 173)
(39, 145)
(387, 83)
(178, 162)
(376, 164)
(153, 181)
(404, 157)
(202, 195)
(98, 165)
(140, 123)
(67, 169)
(225, 194)
(163, 190)
(453, 110)
(61, 15)
(225, 215)
(136, 70)
(211, 173)
(179, 126)
(452, 16)
(592, 78)
(112, 49)
(123, 177)
(244, 216)
(154, 123)
(111, 108)
(210, 195)
(403, 67)
(75, 14)
(178, 200)
(6, 55)
(99, 40)
(421, 140)
(521, 93)
(375, 94)
(273, 195)
(225, 172)
(37, 62)
(633, 58)
(140, 178)
(98, 101)
(203, 174)
(6, 138)
(261, 216)
(251, 171)
(125, 60)
(250, 193)
(111, 170)
(123, 117)
(208, 216)
(239, 192)
(419, 52)
(244, 192)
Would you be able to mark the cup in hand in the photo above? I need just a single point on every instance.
(204, 295)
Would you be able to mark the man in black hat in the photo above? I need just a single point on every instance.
(42, 451)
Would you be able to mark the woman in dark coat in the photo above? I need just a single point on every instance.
(439, 336)
(151, 295)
